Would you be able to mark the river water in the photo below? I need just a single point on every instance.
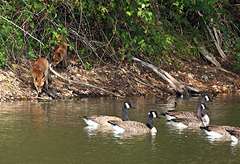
(52, 132)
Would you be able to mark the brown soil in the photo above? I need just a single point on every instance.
(128, 79)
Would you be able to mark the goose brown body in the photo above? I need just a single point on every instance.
(201, 113)
(189, 122)
(136, 127)
(102, 121)
(132, 126)
(192, 120)
(222, 130)
(181, 114)
(235, 134)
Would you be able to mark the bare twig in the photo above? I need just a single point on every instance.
(208, 55)
(7, 3)
(27, 4)
(22, 29)
(108, 41)
(214, 39)
(84, 40)
(211, 58)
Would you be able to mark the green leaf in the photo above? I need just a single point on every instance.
(129, 13)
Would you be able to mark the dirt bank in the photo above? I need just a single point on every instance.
(125, 79)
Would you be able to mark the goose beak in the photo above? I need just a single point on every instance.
(157, 116)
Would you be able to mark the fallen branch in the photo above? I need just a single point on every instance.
(81, 83)
(180, 88)
(212, 59)
(208, 55)
(221, 52)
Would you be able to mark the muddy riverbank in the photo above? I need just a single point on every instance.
(126, 79)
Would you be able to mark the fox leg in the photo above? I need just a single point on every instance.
(64, 61)
(49, 77)
(48, 93)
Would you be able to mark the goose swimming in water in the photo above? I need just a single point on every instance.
(134, 126)
(220, 131)
(185, 119)
(102, 121)
(186, 114)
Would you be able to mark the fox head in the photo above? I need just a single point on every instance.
(58, 56)
(39, 82)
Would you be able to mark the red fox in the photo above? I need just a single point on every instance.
(60, 53)
(41, 74)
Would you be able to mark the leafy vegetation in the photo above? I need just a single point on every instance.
(108, 31)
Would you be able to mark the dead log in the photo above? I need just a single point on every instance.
(180, 88)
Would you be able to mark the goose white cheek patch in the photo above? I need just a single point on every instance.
(127, 105)
(207, 98)
(154, 114)
(203, 107)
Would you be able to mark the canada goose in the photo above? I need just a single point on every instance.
(134, 126)
(206, 98)
(219, 131)
(187, 122)
(235, 135)
(193, 121)
(100, 120)
(201, 114)
(185, 114)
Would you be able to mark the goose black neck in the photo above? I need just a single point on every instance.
(150, 121)
(203, 100)
(124, 113)
(206, 98)
(201, 112)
